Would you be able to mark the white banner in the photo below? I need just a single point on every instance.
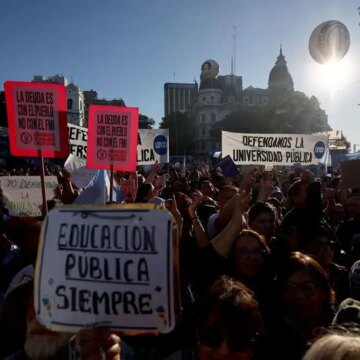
(274, 149)
(22, 194)
(153, 145)
(77, 140)
(108, 267)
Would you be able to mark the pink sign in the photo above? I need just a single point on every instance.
(112, 137)
(37, 119)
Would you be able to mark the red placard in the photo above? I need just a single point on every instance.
(112, 137)
(37, 119)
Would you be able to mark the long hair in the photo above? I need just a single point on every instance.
(298, 262)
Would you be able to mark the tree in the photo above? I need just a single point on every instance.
(180, 127)
(145, 122)
(289, 113)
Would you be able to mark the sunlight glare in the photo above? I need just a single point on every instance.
(334, 75)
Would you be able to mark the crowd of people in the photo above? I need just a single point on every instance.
(269, 267)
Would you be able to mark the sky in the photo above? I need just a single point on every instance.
(130, 48)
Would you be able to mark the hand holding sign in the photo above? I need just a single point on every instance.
(108, 267)
(97, 343)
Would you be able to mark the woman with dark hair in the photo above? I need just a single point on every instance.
(322, 246)
(304, 301)
(250, 263)
(229, 323)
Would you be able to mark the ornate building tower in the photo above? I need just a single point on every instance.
(280, 78)
(75, 105)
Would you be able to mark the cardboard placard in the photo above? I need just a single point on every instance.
(107, 266)
(112, 137)
(350, 174)
(22, 194)
(37, 119)
(228, 167)
(80, 174)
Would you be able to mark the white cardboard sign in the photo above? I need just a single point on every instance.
(80, 174)
(22, 194)
(106, 266)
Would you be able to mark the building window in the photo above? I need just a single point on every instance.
(255, 100)
(81, 106)
(204, 100)
(203, 131)
(213, 116)
(246, 99)
(264, 100)
(69, 104)
(203, 117)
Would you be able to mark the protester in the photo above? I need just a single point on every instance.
(303, 301)
(218, 221)
(27, 339)
(321, 246)
(11, 261)
(277, 298)
(341, 344)
(261, 218)
(348, 232)
(250, 263)
(229, 324)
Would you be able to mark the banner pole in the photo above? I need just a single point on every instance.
(42, 178)
(111, 182)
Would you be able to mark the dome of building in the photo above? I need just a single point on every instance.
(280, 78)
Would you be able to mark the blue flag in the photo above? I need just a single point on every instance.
(228, 167)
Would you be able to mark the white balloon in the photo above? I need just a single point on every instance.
(330, 41)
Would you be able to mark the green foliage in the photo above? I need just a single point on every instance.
(180, 127)
(145, 122)
(292, 113)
